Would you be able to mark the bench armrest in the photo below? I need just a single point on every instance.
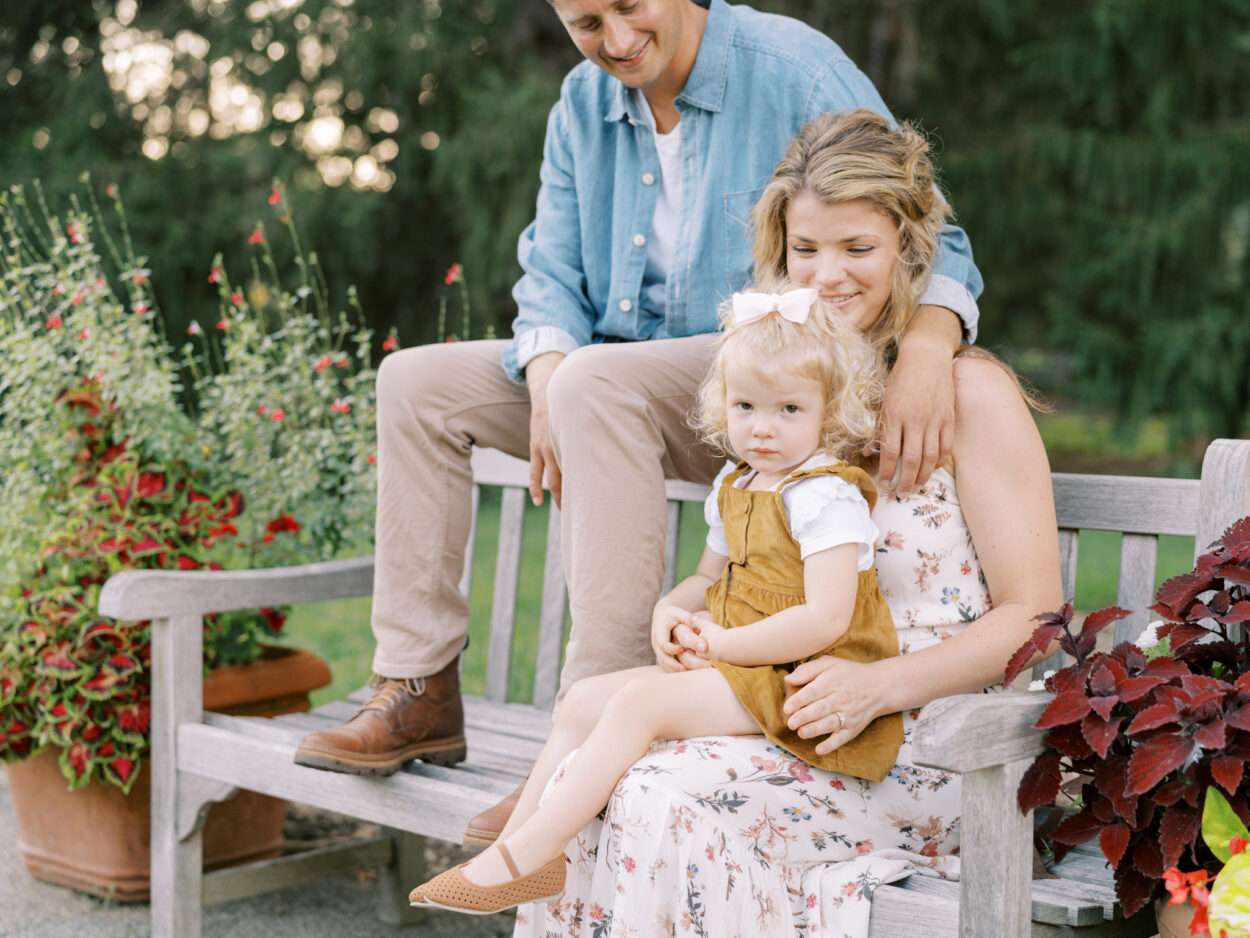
(160, 594)
(975, 731)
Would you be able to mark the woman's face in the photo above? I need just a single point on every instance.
(846, 251)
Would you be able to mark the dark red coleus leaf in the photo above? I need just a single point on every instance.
(1133, 889)
(1170, 792)
(1211, 735)
(1154, 716)
(1100, 733)
(1102, 681)
(1155, 758)
(1176, 594)
(1177, 831)
(1040, 784)
(1227, 771)
(1147, 857)
(1238, 575)
(1136, 687)
(1038, 643)
(1180, 634)
(1237, 613)
(1110, 777)
(1104, 705)
(1078, 828)
(1113, 840)
(1167, 667)
(1066, 708)
(1069, 740)
(1132, 656)
(1095, 622)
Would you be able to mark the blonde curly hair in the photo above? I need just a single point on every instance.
(860, 155)
(825, 348)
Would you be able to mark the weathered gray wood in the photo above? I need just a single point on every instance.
(397, 878)
(551, 618)
(680, 491)
(522, 721)
(1138, 558)
(195, 797)
(1069, 541)
(672, 535)
(466, 575)
(996, 853)
(898, 911)
(1225, 490)
(503, 606)
(1126, 503)
(262, 876)
(493, 467)
(153, 594)
(177, 702)
(416, 803)
(1053, 903)
(976, 731)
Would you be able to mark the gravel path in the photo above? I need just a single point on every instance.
(341, 906)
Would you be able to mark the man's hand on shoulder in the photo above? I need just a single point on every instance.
(542, 456)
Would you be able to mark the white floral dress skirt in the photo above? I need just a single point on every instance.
(720, 837)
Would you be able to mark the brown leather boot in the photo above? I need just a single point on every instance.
(484, 830)
(417, 718)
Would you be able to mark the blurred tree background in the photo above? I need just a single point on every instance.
(1095, 150)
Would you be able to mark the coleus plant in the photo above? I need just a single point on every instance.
(70, 678)
(1148, 738)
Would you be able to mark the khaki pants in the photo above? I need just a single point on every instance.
(619, 424)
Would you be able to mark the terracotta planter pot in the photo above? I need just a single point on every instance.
(1173, 919)
(96, 839)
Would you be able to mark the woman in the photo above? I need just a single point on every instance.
(731, 836)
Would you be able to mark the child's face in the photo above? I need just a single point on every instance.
(846, 250)
(773, 425)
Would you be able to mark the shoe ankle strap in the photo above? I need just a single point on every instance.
(507, 859)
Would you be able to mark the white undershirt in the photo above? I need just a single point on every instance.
(662, 246)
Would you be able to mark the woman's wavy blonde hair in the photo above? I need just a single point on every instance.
(825, 348)
(860, 155)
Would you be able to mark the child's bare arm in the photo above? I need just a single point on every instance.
(830, 582)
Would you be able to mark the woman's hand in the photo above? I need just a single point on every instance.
(664, 621)
(836, 699)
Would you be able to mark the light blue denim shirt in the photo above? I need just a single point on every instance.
(757, 79)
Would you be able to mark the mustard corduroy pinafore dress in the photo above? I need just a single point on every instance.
(764, 576)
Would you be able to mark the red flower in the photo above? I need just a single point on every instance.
(111, 190)
(341, 362)
(214, 275)
(275, 196)
(257, 236)
(194, 328)
(322, 363)
(279, 525)
(140, 279)
(223, 324)
(140, 308)
(454, 274)
(261, 410)
(372, 459)
(54, 322)
(341, 406)
(237, 297)
(151, 483)
(77, 298)
(390, 344)
(274, 620)
(186, 563)
(123, 767)
(1238, 844)
(75, 236)
(1179, 885)
(84, 334)
(278, 415)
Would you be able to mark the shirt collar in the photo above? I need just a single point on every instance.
(705, 88)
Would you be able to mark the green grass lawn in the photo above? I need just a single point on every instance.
(339, 631)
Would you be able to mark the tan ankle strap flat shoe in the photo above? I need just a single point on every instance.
(452, 891)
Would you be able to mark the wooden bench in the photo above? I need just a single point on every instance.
(199, 758)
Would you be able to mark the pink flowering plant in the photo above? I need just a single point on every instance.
(104, 466)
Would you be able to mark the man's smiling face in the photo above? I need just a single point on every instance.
(633, 40)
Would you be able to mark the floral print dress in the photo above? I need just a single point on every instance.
(718, 837)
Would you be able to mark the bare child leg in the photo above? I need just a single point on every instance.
(651, 706)
(575, 716)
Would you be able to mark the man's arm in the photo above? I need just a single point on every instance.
(553, 312)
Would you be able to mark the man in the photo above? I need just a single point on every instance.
(655, 153)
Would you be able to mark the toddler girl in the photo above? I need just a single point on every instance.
(786, 576)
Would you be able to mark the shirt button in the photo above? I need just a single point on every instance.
(626, 306)
(648, 179)
(639, 240)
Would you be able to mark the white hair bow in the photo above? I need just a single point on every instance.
(793, 305)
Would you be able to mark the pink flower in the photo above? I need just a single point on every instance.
(390, 344)
(77, 298)
(894, 540)
(863, 846)
(111, 190)
(84, 334)
(278, 415)
(321, 364)
(454, 274)
(261, 409)
(140, 308)
(341, 362)
(223, 324)
(629, 864)
(811, 901)
(275, 196)
(237, 298)
(100, 282)
(140, 279)
(800, 771)
(214, 275)
(75, 236)
(764, 765)
(341, 406)
(257, 236)
(194, 328)
(54, 322)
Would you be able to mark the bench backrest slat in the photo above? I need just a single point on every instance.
(551, 618)
(1069, 541)
(503, 609)
(672, 545)
(466, 578)
(1139, 556)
